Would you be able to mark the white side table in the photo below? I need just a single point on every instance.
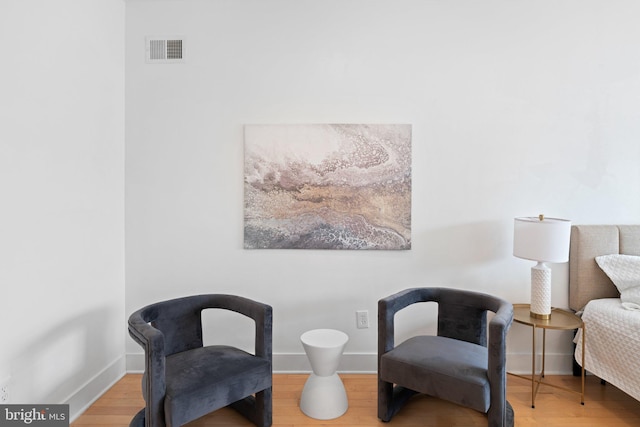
(323, 396)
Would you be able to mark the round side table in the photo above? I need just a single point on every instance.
(559, 320)
(323, 396)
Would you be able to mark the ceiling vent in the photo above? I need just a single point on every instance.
(164, 50)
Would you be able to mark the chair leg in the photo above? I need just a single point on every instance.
(391, 399)
(385, 396)
(510, 418)
(264, 408)
(500, 418)
(138, 420)
(256, 409)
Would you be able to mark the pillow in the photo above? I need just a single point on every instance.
(624, 272)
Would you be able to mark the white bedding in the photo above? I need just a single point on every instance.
(612, 348)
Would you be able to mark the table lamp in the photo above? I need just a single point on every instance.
(542, 240)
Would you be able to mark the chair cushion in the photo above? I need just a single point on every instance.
(202, 380)
(442, 367)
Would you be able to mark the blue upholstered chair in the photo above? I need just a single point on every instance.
(184, 380)
(464, 363)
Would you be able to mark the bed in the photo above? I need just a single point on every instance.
(611, 319)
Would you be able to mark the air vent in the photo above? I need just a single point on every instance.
(164, 50)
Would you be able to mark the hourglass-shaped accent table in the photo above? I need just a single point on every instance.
(323, 396)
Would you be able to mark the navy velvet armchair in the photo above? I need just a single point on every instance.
(465, 363)
(184, 380)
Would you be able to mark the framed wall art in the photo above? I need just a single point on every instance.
(327, 186)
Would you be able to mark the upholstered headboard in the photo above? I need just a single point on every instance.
(586, 280)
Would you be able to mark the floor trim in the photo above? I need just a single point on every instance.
(87, 394)
(367, 363)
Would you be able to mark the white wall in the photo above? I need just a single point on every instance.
(62, 187)
(518, 108)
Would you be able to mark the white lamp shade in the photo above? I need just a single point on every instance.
(545, 240)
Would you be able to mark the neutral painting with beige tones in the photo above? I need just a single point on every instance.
(327, 186)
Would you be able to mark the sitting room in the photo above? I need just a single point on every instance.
(318, 158)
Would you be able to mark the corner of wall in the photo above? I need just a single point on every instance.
(91, 391)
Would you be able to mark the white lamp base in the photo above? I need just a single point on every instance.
(540, 291)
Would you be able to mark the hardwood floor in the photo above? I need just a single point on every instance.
(605, 406)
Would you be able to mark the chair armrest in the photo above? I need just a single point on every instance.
(389, 306)
(497, 350)
(262, 315)
(154, 384)
(498, 329)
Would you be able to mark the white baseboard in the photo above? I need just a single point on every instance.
(555, 364)
(87, 394)
(134, 363)
(367, 363)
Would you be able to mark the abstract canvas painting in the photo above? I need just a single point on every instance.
(327, 186)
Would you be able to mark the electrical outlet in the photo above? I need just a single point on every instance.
(4, 391)
(362, 319)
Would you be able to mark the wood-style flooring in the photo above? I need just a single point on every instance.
(605, 406)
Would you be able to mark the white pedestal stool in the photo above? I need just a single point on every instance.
(323, 396)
